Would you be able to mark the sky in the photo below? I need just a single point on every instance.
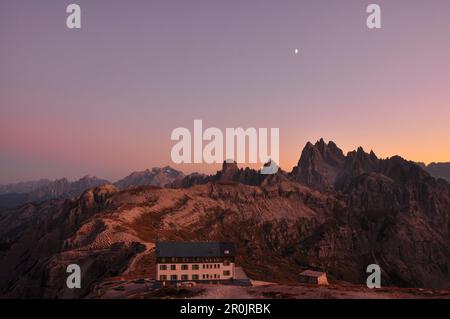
(104, 99)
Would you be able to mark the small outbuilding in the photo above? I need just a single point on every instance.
(314, 277)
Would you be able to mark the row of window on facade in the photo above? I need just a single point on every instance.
(194, 267)
(192, 259)
(194, 277)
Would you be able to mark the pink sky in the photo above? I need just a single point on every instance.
(103, 100)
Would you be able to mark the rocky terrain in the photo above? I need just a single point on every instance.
(333, 212)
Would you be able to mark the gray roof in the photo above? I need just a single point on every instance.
(194, 249)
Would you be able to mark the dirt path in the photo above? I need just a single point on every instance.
(142, 265)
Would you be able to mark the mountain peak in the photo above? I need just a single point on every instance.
(229, 165)
(324, 166)
(320, 142)
(229, 171)
(157, 176)
(318, 164)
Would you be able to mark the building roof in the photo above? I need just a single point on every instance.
(194, 249)
(312, 273)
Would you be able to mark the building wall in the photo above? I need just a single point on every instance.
(205, 271)
(322, 280)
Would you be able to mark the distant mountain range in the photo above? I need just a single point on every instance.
(17, 194)
(332, 212)
(438, 170)
(322, 166)
(23, 187)
(13, 195)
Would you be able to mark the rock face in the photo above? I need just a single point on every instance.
(357, 210)
(42, 252)
(324, 167)
(319, 165)
(156, 177)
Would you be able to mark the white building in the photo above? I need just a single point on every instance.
(195, 261)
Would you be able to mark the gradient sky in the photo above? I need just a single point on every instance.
(103, 100)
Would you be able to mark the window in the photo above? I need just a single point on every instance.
(163, 277)
(203, 266)
(184, 267)
(195, 267)
(184, 277)
(173, 267)
(194, 277)
(226, 272)
(173, 277)
(226, 262)
(162, 267)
